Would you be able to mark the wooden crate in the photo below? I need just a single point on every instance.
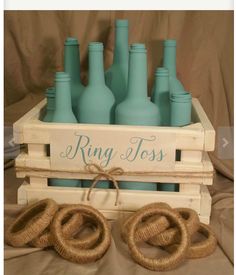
(155, 162)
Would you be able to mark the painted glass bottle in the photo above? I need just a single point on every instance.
(180, 116)
(161, 95)
(169, 62)
(63, 113)
(96, 103)
(50, 94)
(137, 109)
(116, 76)
(72, 67)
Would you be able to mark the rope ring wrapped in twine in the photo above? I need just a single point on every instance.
(87, 241)
(172, 235)
(75, 254)
(71, 223)
(164, 263)
(150, 227)
(199, 249)
(31, 222)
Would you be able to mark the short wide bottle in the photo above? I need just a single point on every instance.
(116, 76)
(50, 94)
(63, 113)
(137, 109)
(96, 104)
(72, 67)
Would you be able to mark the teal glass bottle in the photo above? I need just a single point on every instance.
(96, 103)
(181, 105)
(63, 113)
(50, 94)
(72, 67)
(137, 109)
(161, 95)
(116, 76)
(169, 62)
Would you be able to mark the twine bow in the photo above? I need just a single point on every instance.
(108, 174)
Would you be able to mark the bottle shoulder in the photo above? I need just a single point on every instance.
(137, 104)
(64, 117)
(97, 95)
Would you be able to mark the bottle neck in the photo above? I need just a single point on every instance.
(170, 59)
(137, 84)
(72, 62)
(96, 68)
(121, 52)
(63, 96)
(162, 83)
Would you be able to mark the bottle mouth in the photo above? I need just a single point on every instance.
(119, 23)
(50, 92)
(161, 71)
(62, 76)
(95, 46)
(71, 41)
(170, 43)
(138, 47)
(181, 97)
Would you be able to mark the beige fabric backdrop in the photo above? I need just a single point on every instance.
(34, 51)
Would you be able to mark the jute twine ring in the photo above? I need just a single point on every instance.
(199, 249)
(75, 254)
(167, 262)
(70, 225)
(172, 235)
(108, 174)
(86, 241)
(150, 227)
(24, 229)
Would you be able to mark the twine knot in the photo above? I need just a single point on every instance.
(108, 174)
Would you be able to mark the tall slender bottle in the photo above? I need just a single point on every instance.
(137, 109)
(169, 62)
(116, 76)
(72, 67)
(161, 95)
(63, 113)
(50, 94)
(96, 103)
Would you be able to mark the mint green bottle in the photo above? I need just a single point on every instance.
(181, 105)
(137, 109)
(161, 95)
(72, 67)
(63, 113)
(96, 103)
(169, 62)
(116, 76)
(50, 94)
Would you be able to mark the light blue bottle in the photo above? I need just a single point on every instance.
(169, 62)
(161, 95)
(72, 67)
(137, 109)
(181, 105)
(50, 94)
(96, 103)
(63, 113)
(116, 76)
